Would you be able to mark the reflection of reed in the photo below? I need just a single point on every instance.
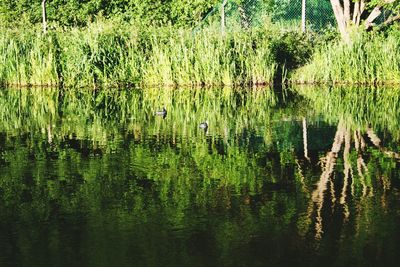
(343, 135)
(386, 186)
(97, 115)
(49, 134)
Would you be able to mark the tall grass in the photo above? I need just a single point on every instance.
(27, 58)
(112, 53)
(368, 59)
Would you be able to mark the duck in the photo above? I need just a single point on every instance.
(162, 112)
(204, 125)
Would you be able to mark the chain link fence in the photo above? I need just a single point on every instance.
(231, 14)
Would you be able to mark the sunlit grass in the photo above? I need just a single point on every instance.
(113, 54)
(369, 59)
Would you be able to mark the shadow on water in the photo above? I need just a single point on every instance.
(281, 177)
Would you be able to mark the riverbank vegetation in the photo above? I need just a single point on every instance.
(111, 53)
(105, 44)
(371, 58)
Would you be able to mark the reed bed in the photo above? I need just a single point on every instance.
(111, 54)
(369, 59)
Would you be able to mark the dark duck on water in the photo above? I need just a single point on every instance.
(204, 125)
(162, 112)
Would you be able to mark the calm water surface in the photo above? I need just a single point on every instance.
(305, 176)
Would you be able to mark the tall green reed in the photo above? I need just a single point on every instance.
(109, 53)
(368, 59)
(27, 58)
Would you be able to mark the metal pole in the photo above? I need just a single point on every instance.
(303, 15)
(44, 16)
(223, 15)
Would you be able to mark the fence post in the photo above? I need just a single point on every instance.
(44, 16)
(303, 15)
(223, 15)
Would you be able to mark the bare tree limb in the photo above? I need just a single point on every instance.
(356, 10)
(391, 19)
(346, 10)
(376, 12)
(362, 8)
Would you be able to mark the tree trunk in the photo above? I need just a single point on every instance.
(348, 14)
(340, 19)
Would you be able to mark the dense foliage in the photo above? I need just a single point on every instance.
(154, 12)
(78, 13)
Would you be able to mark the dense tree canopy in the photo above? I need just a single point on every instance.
(348, 13)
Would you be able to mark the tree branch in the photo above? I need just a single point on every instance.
(391, 19)
(346, 11)
(376, 12)
(356, 10)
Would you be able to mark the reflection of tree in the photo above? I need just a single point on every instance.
(354, 154)
(353, 173)
(329, 162)
(104, 158)
(377, 143)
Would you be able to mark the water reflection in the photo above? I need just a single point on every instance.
(95, 178)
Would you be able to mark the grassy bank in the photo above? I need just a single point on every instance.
(110, 54)
(369, 59)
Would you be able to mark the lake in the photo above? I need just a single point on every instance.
(280, 177)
